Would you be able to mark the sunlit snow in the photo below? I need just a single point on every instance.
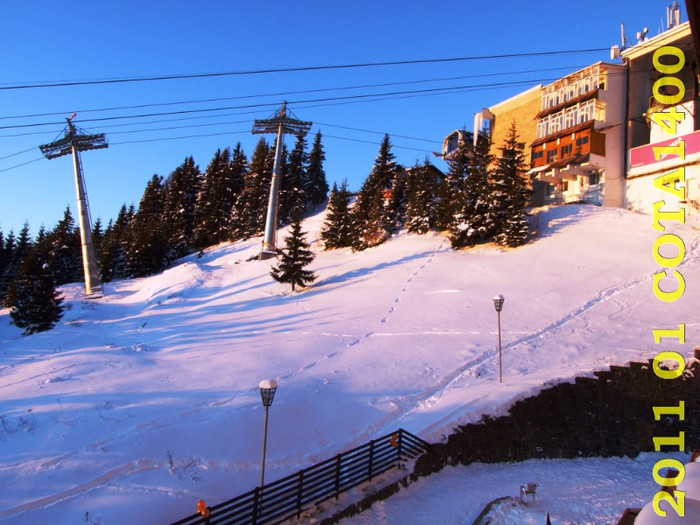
(141, 403)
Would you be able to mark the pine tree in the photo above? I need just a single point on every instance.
(147, 251)
(3, 259)
(371, 222)
(221, 185)
(337, 227)
(65, 251)
(395, 204)
(450, 192)
(181, 189)
(316, 184)
(97, 237)
(295, 257)
(292, 197)
(474, 219)
(420, 198)
(34, 300)
(510, 193)
(249, 211)
(15, 250)
(6, 246)
(112, 258)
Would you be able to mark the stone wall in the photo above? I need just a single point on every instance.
(610, 414)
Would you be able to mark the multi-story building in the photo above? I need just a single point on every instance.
(646, 132)
(520, 110)
(580, 143)
(453, 142)
(593, 135)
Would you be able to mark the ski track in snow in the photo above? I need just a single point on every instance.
(406, 405)
(382, 321)
(429, 397)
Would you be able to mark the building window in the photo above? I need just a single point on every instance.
(566, 150)
(581, 141)
(551, 155)
(452, 144)
(586, 111)
(593, 178)
(570, 118)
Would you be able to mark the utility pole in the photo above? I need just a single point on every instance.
(279, 123)
(73, 142)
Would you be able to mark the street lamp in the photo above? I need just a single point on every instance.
(498, 303)
(267, 392)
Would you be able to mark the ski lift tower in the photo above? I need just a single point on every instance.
(280, 123)
(73, 142)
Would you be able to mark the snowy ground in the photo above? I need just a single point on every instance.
(573, 491)
(141, 403)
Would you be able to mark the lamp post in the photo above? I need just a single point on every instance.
(267, 392)
(498, 303)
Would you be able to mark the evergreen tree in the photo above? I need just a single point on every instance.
(6, 268)
(34, 300)
(216, 199)
(239, 170)
(65, 251)
(510, 193)
(420, 198)
(292, 193)
(371, 222)
(294, 258)
(395, 203)
(16, 248)
(112, 258)
(450, 192)
(4, 259)
(97, 237)
(181, 189)
(147, 251)
(474, 220)
(250, 209)
(316, 185)
(337, 227)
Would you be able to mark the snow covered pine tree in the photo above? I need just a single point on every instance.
(34, 301)
(510, 193)
(295, 257)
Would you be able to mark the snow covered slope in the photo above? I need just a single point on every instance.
(139, 404)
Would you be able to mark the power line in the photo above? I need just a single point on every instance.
(275, 104)
(20, 165)
(376, 132)
(286, 93)
(290, 69)
(375, 143)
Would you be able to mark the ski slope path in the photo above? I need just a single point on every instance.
(139, 404)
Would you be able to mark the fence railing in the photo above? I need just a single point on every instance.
(288, 496)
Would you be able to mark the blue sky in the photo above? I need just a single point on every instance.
(48, 41)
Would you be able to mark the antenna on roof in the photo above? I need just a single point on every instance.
(673, 15)
(624, 39)
(642, 35)
(616, 51)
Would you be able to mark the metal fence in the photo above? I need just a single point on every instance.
(288, 496)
